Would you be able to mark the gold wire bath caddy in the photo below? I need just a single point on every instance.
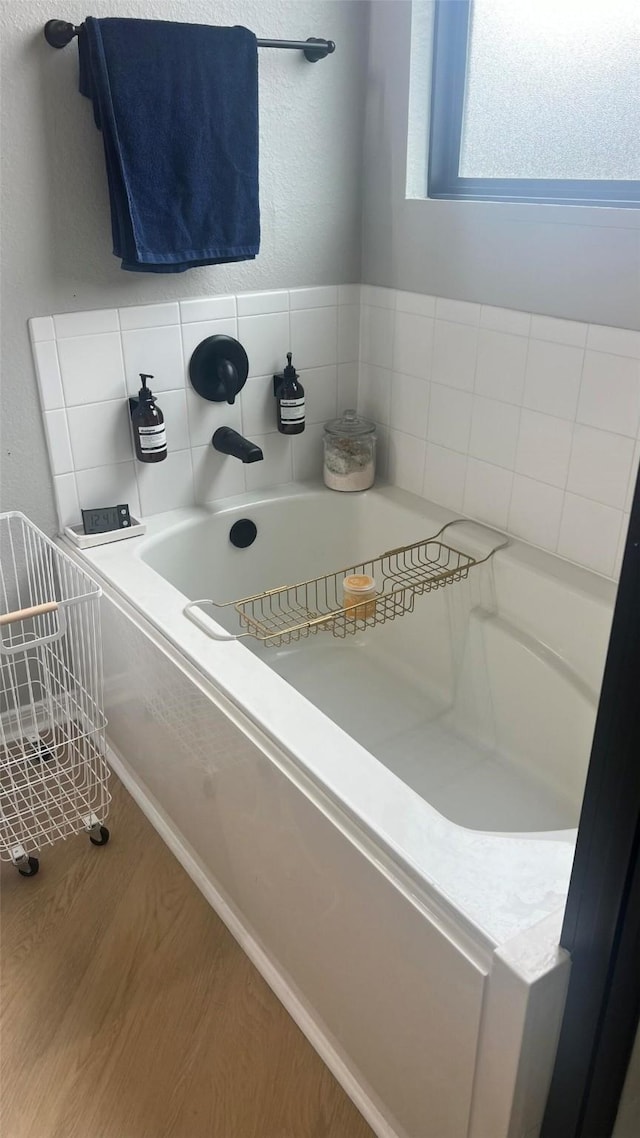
(291, 612)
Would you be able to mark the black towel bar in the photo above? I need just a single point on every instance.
(58, 33)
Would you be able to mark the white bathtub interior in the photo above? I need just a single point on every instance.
(470, 702)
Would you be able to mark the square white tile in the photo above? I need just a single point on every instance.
(149, 315)
(610, 393)
(413, 344)
(216, 475)
(618, 341)
(382, 453)
(460, 311)
(377, 296)
(173, 405)
(109, 486)
(86, 323)
(633, 476)
(323, 296)
(276, 466)
(308, 453)
(444, 477)
(348, 332)
(208, 308)
(314, 337)
(505, 320)
(258, 406)
(204, 417)
(156, 352)
(45, 356)
(449, 417)
(348, 375)
(57, 431)
(535, 512)
(552, 383)
(66, 495)
(600, 465)
(376, 335)
(166, 485)
(589, 533)
(41, 328)
(500, 371)
(409, 405)
(194, 334)
(487, 493)
(455, 350)
(559, 331)
(266, 340)
(92, 368)
(100, 434)
(494, 431)
(544, 447)
(261, 303)
(321, 393)
(405, 464)
(416, 302)
(374, 393)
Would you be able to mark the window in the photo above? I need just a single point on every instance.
(536, 100)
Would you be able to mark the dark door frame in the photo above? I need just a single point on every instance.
(601, 927)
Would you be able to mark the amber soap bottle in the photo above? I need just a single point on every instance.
(289, 394)
(147, 422)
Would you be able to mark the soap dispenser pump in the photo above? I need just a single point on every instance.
(147, 421)
(289, 394)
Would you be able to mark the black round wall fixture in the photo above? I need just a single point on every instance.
(243, 533)
(218, 368)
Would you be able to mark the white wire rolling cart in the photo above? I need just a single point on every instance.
(53, 770)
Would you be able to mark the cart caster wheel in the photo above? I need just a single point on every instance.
(31, 869)
(102, 839)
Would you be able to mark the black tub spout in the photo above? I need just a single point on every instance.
(228, 441)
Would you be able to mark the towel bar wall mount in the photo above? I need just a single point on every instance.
(59, 33)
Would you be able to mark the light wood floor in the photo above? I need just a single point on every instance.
(130, 1012)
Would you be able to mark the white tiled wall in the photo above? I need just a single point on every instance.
(89, 362)
(528, 423)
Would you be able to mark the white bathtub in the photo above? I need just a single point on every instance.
(400, 804)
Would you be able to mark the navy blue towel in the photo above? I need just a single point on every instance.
(177, 105)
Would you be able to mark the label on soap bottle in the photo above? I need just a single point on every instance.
(292, 410)
(153, 438)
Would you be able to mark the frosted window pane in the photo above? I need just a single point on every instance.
(553, 90)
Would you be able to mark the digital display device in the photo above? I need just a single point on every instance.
(105, 518)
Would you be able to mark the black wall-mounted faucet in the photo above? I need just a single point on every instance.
(218, 369)
(228, 441)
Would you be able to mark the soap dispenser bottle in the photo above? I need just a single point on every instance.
(147, 421)
(289, 394)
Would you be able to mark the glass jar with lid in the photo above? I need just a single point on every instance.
(349, 452)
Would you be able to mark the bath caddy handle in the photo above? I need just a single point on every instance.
(28, 613)
(292, 612)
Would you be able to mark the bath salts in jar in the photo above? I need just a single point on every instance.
(349, 453)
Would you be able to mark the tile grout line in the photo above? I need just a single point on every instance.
(518, 433)
(574, 424)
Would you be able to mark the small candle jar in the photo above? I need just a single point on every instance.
(360, 589)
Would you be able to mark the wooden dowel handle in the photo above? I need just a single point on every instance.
(26, 614)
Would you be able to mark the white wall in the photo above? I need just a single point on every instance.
(56, 241)
(568, 261)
